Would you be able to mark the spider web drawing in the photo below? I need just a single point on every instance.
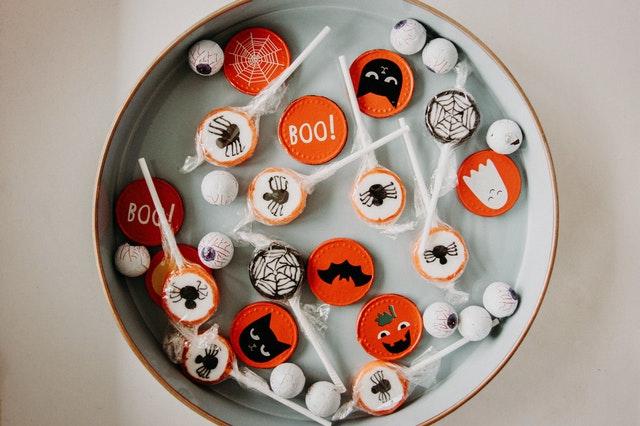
(255, 59)
(276, 272)
(452, 116)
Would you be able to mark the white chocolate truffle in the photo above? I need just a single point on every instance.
(440, 320)
(322, 399)
(500, 299)
(408, 36)
(475, 323)
(287, 380)
(219, 188)
(440, 55)
(206, 58)
(504, 136)
(215, 250)
(132, 261)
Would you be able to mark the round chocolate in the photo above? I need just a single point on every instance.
(452, 116)
(276, 271)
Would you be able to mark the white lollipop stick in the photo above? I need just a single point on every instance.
(362, 135)
(444, 352)
(337, 165)
(301, 57)
(165, 228)
(420, 182)
(256, 383)
(309, 331)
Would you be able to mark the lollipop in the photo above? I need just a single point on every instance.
(190, 294)
(378, 195)
(277, 195)
(208, 359)
(228, 136)
(440, 255)
(276, 272)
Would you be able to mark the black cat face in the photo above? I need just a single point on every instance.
(381, 77)
(259, 343)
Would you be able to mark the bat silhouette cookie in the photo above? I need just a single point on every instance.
(345, 271)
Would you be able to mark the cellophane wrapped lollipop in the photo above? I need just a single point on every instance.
(278, 195)
(208, 359)
(190, 294)
(440, 254)
(276, 272)
(379, 194)
(228, 136)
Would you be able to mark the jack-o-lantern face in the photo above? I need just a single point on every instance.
(389, 327)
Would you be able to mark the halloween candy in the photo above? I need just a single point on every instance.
(408, 36)
(500, 299)
(132, 261)
(322, 399)
(504, 136)
(440, 55)
(206, 58)
(219, 188)
(228, 136)
(287, 380)
(440, 320)
(215, 250)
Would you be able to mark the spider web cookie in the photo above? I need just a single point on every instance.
(452, 116)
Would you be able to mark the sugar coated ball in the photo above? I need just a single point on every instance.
(440, 319)
(408, 36)
(173, 345)
(215, 250)
(132, 261)
(500, 299)
(323, 399)
(475, 323)
(219, 188)
(504, 136)
(287, 380)
(440, 55)
(206, 57)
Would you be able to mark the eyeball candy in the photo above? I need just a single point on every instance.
(287, 380)
(132, 261)
(440, 320)
(440, 55)
(475, 323)
(206, 58)
(322, 399)
(500, 299)
(215, 250)
(408, 36)
(219, 188)
(380, 388)
(504, 136)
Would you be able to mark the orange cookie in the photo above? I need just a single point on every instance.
(340, 271)
(380, 388)
(444, 258)
(227, 136)
(389, 327)
(190, 295)
(383, 82)
(313, 129)
(264, 335)
(276, 196)
(207, 359)
(253, 58)
(488, 183)
(379, 196)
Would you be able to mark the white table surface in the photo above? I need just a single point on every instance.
(65, 68)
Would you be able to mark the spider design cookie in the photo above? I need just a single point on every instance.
(208, 358)
(444, 258)
(380, 388)
(452, 116)
(227, 136)
(276, 271)
(379, 196)
(276, 196)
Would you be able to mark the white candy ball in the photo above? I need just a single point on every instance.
(475, 323)
(440, 55)
(504, 136)
(500, 299)
(206, 57)
(132, 261)
(173, 345)
(323, 399)
(287, 380)
(219, 188)
(215, 250)
(408, 36)
(440, 320)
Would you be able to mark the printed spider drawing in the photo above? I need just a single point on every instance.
(228, 135)
(441, 253)
(209, 361)
(377, 193)
(381, 386)
(278, 196)
(189, 294)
